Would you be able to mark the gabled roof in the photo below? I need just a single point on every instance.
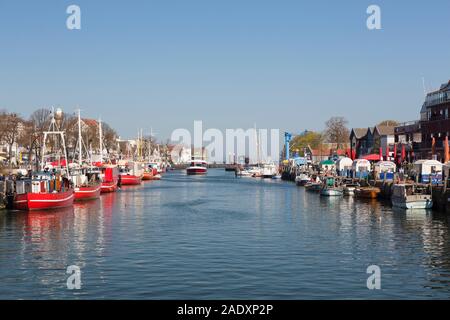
(358, 132)
(385, 130)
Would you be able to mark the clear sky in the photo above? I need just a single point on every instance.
(231, 63)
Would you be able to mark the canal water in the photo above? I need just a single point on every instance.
(219, 237)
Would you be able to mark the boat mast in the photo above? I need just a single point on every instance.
(54, 130)
(79, 138)
(100, 134)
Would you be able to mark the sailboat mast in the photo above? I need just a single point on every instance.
(100, 134)
(79, 138)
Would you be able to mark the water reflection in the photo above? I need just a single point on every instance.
(251, 238)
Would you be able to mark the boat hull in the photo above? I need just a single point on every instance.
(108, 187)
(412, 204)
(43, 201)
(368, 193)
(301, 183)
(147, 176)
(331, 193)
(196, 171)
(313, 187)
(87, 193)
(130, 180)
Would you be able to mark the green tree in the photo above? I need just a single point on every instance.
(310, 138)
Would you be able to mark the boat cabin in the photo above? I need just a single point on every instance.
(41, 182)
(198, 163)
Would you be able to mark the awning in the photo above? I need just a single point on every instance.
(372, 157)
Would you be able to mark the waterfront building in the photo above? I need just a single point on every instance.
(384, 138)
(366, 141)
(361, 142)
(435, 123)
(408, 135)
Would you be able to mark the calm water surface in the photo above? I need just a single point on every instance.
(218, 237)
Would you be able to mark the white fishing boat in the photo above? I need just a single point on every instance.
(269, 170)
(302, 179)
(410, 196)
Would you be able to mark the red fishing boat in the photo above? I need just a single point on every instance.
(129, 179)
(197, 167)
(151, 173)
(87, 183)
(110, 178)
(44, 191)
(87, 193)
(130, 174)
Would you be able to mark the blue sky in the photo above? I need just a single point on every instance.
(280, 64)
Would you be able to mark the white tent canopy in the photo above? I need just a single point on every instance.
(385, 166)
(361, 165)
(344, 164)
(428, 166)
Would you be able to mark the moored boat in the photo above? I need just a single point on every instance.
(330, 188)
(89, 192)
(87, 183)
(130, 174)
(349, 187)
(349, 190)
(302, 179)
(313, 186)
(127, 179)
(269, 170)
(367, 192)
(146, 176)
(44, 191)
(110, 179)
(410, 196)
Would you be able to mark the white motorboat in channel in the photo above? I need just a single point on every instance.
(197, 167)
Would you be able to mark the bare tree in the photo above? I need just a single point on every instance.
(10, 131)
(337, 131)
